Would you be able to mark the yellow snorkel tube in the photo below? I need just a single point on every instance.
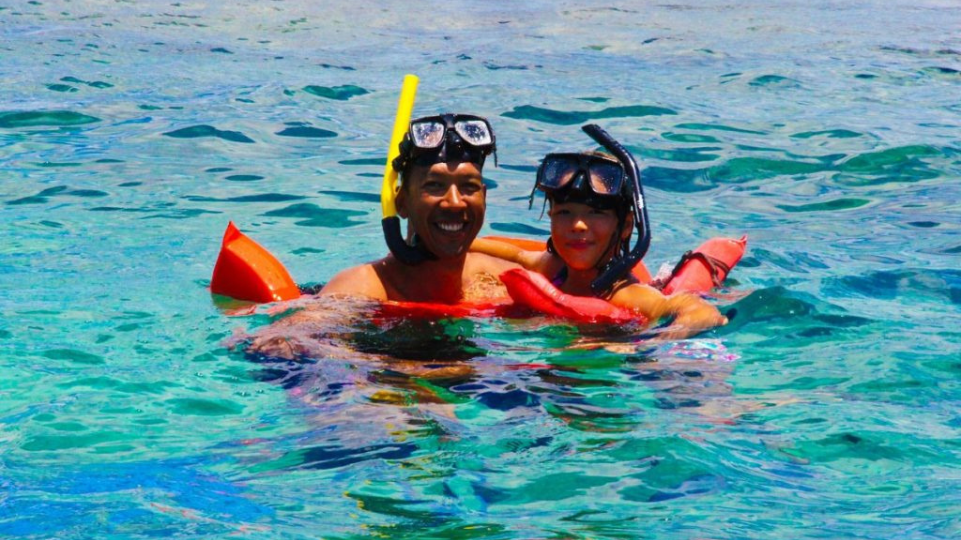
(405, 108)
(388, 193)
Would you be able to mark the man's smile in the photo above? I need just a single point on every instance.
(450, 227)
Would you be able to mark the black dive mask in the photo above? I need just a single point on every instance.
(594, 180)
(445, 138)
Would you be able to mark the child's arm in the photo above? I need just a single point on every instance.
(509, 252)
(691, 313)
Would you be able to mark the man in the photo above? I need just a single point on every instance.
(443, 198)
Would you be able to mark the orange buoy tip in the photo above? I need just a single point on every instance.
(231, 232)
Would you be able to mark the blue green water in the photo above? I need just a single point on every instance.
(130, 133)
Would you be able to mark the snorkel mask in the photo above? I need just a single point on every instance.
(592, 179)
(444, 138)
(424, 142)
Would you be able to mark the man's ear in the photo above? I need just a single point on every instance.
(400, 201)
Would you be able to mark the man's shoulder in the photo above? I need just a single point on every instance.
(361, 280)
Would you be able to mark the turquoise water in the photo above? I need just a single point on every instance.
(130, 133)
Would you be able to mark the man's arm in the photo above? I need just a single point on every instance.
(507, 252)
(294, 335)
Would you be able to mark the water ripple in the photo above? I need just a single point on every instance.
(338, 93)
(567, 118)
(316, 216)
(13, 120)
(194, 132)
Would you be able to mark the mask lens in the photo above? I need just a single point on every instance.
(428, 134)
(474, 132)
(606, 178)
(557, 172)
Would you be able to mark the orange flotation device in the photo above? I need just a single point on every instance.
(430, 310)
(533, 290)
(698, 271)
(247, 271)
(706, 267)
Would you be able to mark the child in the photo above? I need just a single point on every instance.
(591, 211)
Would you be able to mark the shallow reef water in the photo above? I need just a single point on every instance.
(132, 132)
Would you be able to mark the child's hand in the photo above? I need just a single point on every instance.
(692, 316)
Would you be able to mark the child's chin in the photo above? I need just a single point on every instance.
(580, 266)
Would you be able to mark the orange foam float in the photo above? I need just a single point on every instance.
(698, 271)
(707, 266)
(247, 271)
(534, 291)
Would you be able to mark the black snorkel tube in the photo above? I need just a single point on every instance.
(399, 248)
(617, 268)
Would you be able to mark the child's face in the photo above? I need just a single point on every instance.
(582, 234)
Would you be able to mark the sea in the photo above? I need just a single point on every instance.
(131, 133)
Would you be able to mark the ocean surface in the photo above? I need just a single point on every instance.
(132, 132)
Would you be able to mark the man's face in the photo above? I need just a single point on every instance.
(445, 205)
